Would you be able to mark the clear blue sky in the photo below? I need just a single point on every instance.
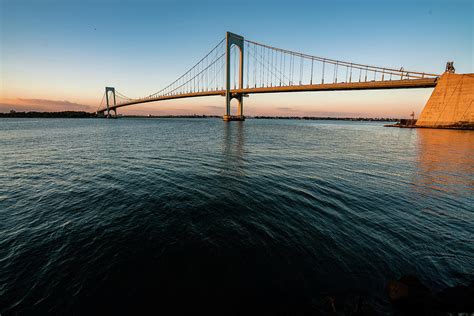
(70, 50)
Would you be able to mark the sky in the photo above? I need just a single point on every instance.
(60, 55)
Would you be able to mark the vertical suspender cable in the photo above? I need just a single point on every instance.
(262, 66)
(271, 75)
(269, 68)
(248, 63)
(292, 68)
(254, 66)
(281, 62)
(235, 67)
(350, 76)
(301, 69)
(324, 64)
(289, 69)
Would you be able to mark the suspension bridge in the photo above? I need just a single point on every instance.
(236, 68)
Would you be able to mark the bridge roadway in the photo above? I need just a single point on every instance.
(369, 85)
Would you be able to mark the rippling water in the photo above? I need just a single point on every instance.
(265, 215)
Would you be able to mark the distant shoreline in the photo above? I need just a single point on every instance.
(63, 114)
(81, 114)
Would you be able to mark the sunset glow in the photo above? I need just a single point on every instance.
(45, 67)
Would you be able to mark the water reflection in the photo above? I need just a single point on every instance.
(444, 158)
(233, 148)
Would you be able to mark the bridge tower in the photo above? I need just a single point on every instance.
(107, 90)
(238, 41)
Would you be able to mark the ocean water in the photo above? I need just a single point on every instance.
(262, 216)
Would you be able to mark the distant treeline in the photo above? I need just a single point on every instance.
(174, 116)
(376, 119)
(381, 119)
(64, 114)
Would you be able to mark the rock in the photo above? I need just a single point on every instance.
(410, 297)
(457, 299)
(344, 305)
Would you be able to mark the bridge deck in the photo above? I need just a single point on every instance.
(369, 85)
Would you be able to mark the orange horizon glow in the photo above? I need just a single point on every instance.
(370, 103)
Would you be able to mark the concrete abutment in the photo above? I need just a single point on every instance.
(451, 105)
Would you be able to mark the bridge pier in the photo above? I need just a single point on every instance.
(113, 115)
(107, 90)
(238, 41)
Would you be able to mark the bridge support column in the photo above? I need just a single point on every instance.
(238, 41)
(107, 90)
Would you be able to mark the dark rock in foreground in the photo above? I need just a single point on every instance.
(410, 297)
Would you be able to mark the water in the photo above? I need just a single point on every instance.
(266, 216)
